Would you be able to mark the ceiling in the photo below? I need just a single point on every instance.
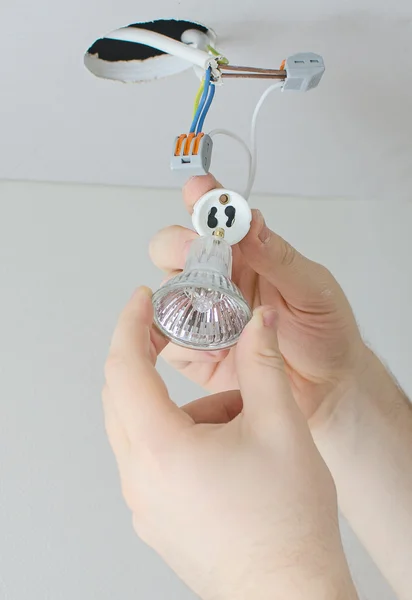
(349, 137)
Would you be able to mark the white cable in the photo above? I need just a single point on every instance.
(166, 44)
(241, 142)
(252, 173)
(197, 38)
(201, 59)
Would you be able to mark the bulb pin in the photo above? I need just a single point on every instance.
(219, 233)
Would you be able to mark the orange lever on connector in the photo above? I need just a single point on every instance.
(179, 144)
(188, 143)
(197, 143)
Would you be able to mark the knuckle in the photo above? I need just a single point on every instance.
(167, 247)
(287, 254)
(154, 244)
(160, 242)
(325, 277)
(270, 358)
(329, 289)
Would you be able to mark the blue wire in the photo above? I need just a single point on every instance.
(202, 100)
(211, 95)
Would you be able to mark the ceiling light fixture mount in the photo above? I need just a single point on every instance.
(149, 50)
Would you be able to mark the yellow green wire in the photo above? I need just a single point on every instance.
(198, 96)
(223, 60)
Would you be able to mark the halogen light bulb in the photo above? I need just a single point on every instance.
(201, 308)
(203, 300)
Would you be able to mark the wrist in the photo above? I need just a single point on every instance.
(298, 582)
(369, 390)
(366, 441)
(325, 590)
(347, 397)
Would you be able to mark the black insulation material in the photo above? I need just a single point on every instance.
(115, 50)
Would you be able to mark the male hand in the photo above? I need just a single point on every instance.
(240, 508)
(318, 335)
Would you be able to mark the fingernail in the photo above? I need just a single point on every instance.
(267, 316)
(264, 233)
(142, 291)
(270, 318)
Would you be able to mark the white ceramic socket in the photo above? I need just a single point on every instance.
(225, 210)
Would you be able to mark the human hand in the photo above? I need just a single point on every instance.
(318, 335)
(240, 508)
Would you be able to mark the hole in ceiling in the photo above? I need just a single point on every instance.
(132, 62)
(113, 50)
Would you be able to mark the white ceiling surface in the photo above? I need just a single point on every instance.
(350, 137)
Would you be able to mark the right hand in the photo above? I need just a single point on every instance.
(241, 510)
(318, 335)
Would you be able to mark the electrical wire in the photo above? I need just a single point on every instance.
(251, 76)
(202, 102)
(222, 60)
(212, 50)
(281, 72)
(163, 42)
(209, 63)
(252, 173)
(238, 139)
(207, 105)
(251, 152)
(199, 58)
(198, 96)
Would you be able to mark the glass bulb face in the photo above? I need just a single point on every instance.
(202, 308)
(200, 318)
(202, 299)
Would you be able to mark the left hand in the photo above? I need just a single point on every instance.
(239, 507)
(318, 335)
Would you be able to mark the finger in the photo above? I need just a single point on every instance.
(138, 313)
(116, 433)
(197, 187)
(218, 408)
(169, 247)
(212, 370)
(139, 394)
(302, 282)
(168, 276)
(264, 385)
(158, 343)
(177, 355)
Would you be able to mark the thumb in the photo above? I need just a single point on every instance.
(300, 281)
(264, 385)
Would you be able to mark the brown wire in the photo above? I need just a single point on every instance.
(252, 76)
(224, 67)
